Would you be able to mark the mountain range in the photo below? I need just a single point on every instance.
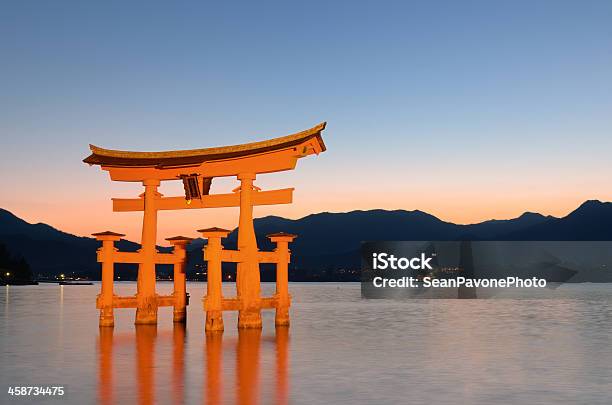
(327, 242)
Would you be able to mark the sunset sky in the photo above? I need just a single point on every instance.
(466, 110)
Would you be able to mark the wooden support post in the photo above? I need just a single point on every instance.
(283, 300)
(106, 257)
(180, 281)
(214, 294)
(247, 277)
(146, 311)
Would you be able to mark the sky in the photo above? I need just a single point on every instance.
(468, 110)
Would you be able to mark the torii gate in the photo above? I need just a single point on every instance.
(196, 168)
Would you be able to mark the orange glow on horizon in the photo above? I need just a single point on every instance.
(72, 218)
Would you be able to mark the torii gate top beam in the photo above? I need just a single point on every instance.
(268, 156)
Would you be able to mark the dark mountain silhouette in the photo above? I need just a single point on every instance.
(591, 221)
(326, 241)
(494, 228)
(50, 251)
(330, 233)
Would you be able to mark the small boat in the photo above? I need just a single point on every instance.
(75, 283)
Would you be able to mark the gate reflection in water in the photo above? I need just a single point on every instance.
(159, 357)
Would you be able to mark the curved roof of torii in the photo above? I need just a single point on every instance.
(109, 157)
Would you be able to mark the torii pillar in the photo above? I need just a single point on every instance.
(180, 280)
(107, 250)
(282, 241)
(146, 310)
(247, 276)
(213, 303)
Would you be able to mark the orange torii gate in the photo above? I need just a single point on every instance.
(197, 168)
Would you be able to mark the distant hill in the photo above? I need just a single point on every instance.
(326, 241)
(331, 241)
(50, 251)
(591, 221)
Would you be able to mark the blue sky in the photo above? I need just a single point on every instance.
(468, 110)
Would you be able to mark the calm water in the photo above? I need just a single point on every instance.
(339, 349)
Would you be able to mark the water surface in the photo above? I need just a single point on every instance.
(339, 349)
